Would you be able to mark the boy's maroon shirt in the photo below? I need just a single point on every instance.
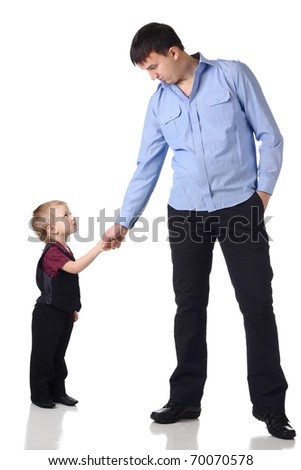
(55, 259)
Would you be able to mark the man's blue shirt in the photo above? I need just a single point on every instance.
(212, 135)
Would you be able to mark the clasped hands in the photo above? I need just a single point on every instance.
(113, 237)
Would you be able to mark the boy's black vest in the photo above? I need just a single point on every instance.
(62, 291)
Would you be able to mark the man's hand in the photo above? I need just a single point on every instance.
(114, 236)
(265, 197)
(75, 316)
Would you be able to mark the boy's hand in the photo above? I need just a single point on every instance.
(104, 245)
(75, 316)
(114, 236)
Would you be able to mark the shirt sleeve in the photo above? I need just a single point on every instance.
(263, 124)
(153, 150)
(53, 260)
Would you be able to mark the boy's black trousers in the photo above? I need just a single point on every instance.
(51, 330)
(241, 233)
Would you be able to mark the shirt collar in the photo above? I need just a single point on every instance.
(202, 62)
(202, 59)
(63, 247)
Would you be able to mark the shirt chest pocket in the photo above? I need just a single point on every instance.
(172, 123)
(219, 108)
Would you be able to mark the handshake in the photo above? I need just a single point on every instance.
(112, 238)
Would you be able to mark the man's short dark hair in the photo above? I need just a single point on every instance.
(153, 37)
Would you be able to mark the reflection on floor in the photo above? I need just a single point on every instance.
(45, 427)
(181, 436)
(271, 443)
(47, 430)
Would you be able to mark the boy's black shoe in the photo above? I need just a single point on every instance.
(65, 400)
(173, 412)
(44, 403)
(277, 424)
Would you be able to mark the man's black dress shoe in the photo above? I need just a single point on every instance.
(44, 403)
(277, 424)
(173, 412)
(65, 400)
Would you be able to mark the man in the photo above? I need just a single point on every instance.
(208, 113)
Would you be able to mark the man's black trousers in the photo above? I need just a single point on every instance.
(241, 233)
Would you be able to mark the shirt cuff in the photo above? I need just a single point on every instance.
(126, 221)
(266, 185)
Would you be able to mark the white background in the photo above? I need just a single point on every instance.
(72, 110)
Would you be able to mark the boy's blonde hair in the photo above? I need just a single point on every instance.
(41, 219)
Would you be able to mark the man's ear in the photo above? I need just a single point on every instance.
(174, 52)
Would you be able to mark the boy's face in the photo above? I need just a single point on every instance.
(164, 68)
(62, 221)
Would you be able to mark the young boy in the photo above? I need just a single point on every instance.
(58, 305)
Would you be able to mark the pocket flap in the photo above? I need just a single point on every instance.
(170, 114)
(220, 97)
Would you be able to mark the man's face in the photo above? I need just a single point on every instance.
(164, 68)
